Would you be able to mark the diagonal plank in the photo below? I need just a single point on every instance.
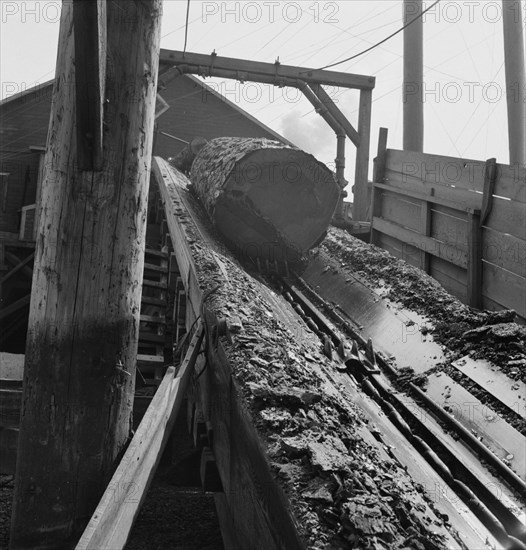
(112, 521)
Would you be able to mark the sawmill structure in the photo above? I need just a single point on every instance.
(219, 297)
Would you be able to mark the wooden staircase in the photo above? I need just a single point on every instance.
(163, 302)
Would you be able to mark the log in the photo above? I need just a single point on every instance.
(268, 200)
(83, 331)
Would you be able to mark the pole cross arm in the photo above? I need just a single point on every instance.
(270, 72)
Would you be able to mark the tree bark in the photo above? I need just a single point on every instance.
(84, 318)
(269, 200)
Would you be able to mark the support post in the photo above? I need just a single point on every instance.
(379, 161)
(83, 331)
(474, 259)
(413, 77)
(513, 23)
(425, 228)
(361, 179)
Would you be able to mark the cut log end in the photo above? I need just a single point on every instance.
(268, 199)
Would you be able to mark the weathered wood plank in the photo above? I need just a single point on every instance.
(504, 250)
(274, 73)
(490, 177)
(409, 253)
(381, 157)
(157, 253)
(425, 229)
(450, 197)
(511, 182)
(113, 519)
(504, 287)
(450, 276)
(432, 246)
(169, 182)
(449, 228)
(438, 170)
(441, 194)
(507, 216)
(474, 267)
(17, 268)
(402, 210)
(361, 173)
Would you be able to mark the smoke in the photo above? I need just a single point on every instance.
(310, 133)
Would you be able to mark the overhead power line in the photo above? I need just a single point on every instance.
(381, 41)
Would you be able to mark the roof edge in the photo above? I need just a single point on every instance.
(29, 91)
(241, 111)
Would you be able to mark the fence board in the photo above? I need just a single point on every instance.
(504, 251)
(428, 244)
(508, 216)
(392, 245)
(511, 182)
(451, 277)
(449, 229)
(504, 287)
(464, 174)
(401, 250)
(457, 186)
(464, 198)
(402, 210)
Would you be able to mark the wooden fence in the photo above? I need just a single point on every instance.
(462, 221)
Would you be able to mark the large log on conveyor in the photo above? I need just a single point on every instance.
(269, 200)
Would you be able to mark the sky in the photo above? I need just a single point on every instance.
(464, 90)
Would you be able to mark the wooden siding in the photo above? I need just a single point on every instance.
(426, 211)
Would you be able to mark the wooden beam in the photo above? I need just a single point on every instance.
(17, 268)
(378, 176)
(490, 179)
(361, 174)
(474, 260)
(333, 109)
(432, 246)
(425, 228)
(208, 65)
(89, 28)
(15, 259)
(381, 154)
(84, 316)
(422, 196)
(113, 518)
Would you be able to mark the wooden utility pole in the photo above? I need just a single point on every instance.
(513, 21)
(413, 96)
(84, 318)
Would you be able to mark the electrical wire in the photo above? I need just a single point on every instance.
(186, 26)
(381, 41)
